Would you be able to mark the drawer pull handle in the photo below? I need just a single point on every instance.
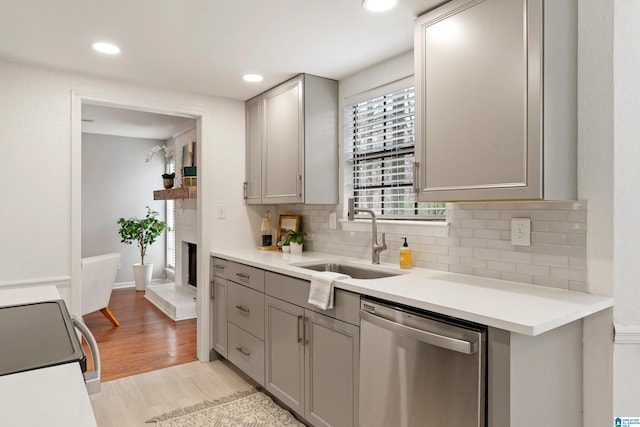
(243, 276)
(219, 267)
(243, 309)
(299, 329)
(243, 351)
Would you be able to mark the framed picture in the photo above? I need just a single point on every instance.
(286, 223)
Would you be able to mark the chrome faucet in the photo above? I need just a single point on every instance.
(375, 247)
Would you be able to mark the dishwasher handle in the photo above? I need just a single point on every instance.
(450, 343)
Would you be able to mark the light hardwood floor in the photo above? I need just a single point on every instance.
(132, 400)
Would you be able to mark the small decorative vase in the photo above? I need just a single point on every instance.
(168, 182)
(285, 249)
(296, 248)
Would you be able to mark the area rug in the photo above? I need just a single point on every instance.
(243, 409)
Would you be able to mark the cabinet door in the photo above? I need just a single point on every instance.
(283, 144)
(285, 352)
(332, 360)
(253, 150)
(219, 293)
(478, 101)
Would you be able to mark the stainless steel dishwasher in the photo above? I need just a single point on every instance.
(420, 369)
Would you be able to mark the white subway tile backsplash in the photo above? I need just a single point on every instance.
(532, 270)
(479, 241)
(508, 267)
(550, 260)
(482, 253)
(483, 233)
(517, 257)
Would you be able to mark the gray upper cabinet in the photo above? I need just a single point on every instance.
(293, 130)
(253, 150)
(496, 113)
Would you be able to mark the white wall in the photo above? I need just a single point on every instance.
(626, 206)
(36, 138)
(116, 182)
(595, 184)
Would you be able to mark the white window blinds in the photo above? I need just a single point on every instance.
(379, 143)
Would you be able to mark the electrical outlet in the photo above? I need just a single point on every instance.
(220, 212)
(521, 231)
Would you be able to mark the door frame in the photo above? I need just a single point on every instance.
(203, 205)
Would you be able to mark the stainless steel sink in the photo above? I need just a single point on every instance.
(356, 272)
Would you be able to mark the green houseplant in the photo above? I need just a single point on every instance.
(296, 239)
(144, 231)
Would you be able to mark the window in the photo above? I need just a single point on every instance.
(379, 144)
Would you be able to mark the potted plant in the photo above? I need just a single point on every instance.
(296, 239)
(168, 179)
(284, 243)
(169, 153)
(143, 231)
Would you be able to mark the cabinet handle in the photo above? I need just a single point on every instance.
(218, 266)
(299, 329)
(299, 185)
(416, 168)
(243, 351)
(243, 309)
(245, 189)
(243, 276)
(307, 332)
(213, 290)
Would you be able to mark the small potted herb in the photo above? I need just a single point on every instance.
(296, 239)
(283, 243)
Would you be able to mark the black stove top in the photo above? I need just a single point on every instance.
(37, 335)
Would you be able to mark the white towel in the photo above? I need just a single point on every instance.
(321, 289)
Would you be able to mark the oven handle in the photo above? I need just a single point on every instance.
(91, 379)
(455, 344)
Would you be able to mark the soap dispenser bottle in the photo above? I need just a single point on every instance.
(405, 255)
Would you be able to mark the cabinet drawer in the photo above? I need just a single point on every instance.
(245, 308)
(246, 352)
(346, 305)
(219, 267)
(245, 275)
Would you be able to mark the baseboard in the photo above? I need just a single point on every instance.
(627, 334)
(121, 285)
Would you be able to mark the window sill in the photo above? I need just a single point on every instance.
(416, 228)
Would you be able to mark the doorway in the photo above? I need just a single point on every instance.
(117, 182)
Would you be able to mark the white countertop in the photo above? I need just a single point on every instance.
(54, 396)
(515, 307)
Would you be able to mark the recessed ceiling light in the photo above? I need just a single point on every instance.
(379, 5)
(252, 78)
(108, 48)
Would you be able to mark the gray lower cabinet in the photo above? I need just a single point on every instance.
(312, 363)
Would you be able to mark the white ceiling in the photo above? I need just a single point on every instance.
(202, 46)
(136, 124)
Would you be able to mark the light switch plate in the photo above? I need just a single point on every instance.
(220, 212)
(521, 231)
